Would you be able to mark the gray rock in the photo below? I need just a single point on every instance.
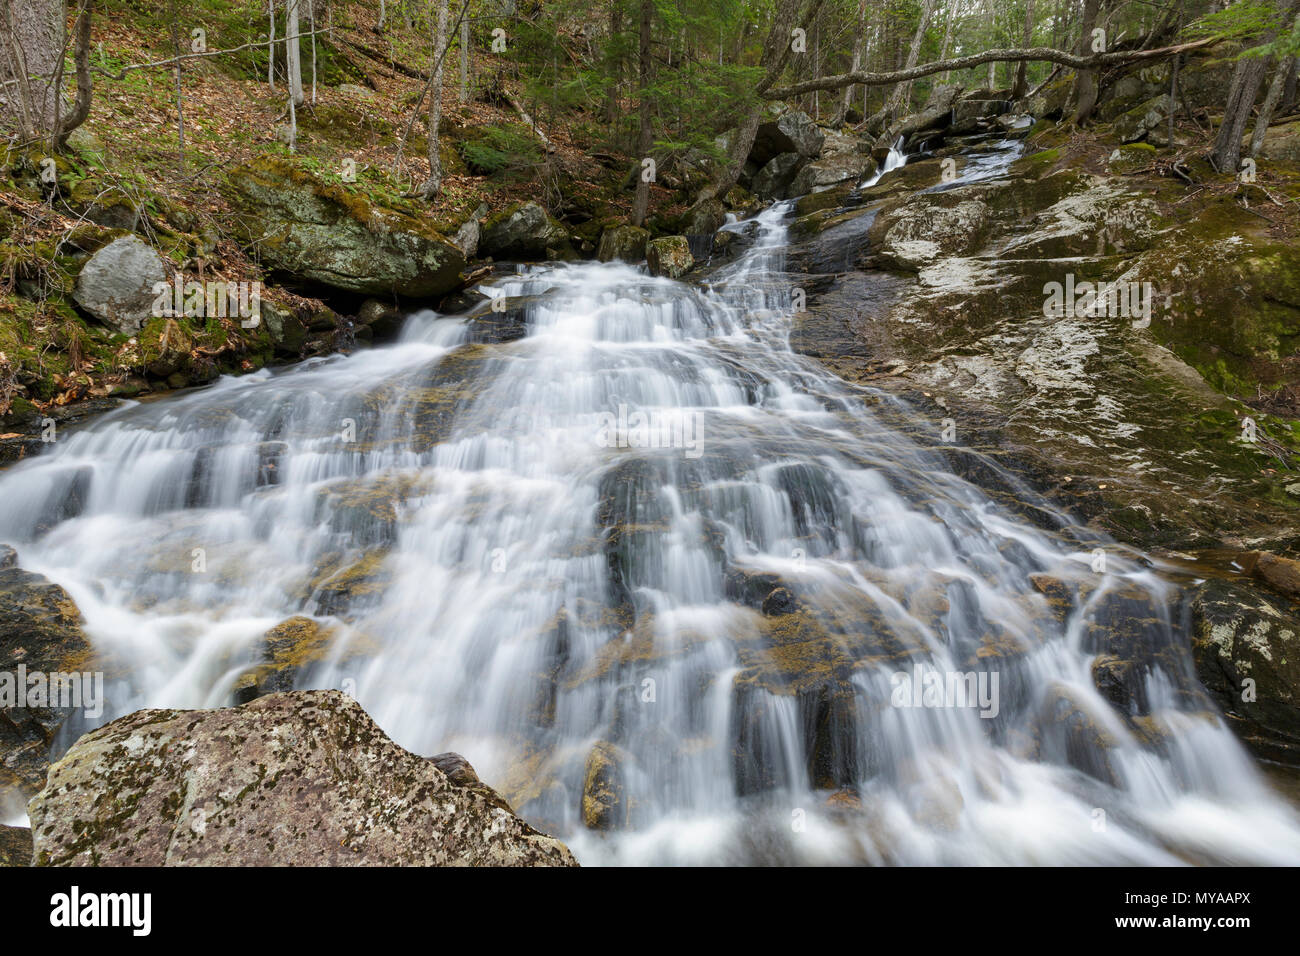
(791, 132)
(821, 173)
(116, 283)
(773, 180)
(295, 779)
(704, 218)
(524, 231)
(1134, 124)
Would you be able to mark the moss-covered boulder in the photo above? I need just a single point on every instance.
(624, 242)
(1134, 124)
(524, 231)
(321, 233)
(670, 256)
(300, 779)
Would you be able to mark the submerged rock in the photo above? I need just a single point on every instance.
(298, 779)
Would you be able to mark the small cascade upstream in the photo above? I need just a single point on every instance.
(676, 591)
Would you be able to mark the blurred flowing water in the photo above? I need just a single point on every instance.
(619, 540)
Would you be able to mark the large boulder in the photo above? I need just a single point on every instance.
(1134, 124)
(669, 256)
(524, 231)
(773, 180)
(791, 132)
(320, 233)
(40, 634)
(703, 219)
(298, 779)
(1282, 144)
(1247, 651)
(623, 242)
(116, 283)
(821, 173)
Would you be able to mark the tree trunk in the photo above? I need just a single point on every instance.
(645, 131)
(1020, 84)
(859, 51)
(1246, 80)
(776, 51)
(31, 45)
(1276, 91)
(1085, 84)
(433, 185)
(913, 52)
(293, 52)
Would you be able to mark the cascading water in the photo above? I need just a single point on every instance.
(648, 569)
(893, 160)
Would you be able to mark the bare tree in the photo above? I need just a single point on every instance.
(1021, 82)
(293, 52)
(645, 131)
(433, 185)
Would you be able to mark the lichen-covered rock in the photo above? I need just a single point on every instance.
(298, 779)
(40, 629)
(930, 225)
(624, 242)
(321, 233)
(524, 231)
(1247, 651)
(670, 256)
(116, 283)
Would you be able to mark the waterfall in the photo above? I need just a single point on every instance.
(634, 537)
(893, 160)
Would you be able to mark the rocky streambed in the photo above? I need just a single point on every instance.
(635, 645)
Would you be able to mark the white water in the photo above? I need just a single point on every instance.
(535, 580)
(893, 160)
